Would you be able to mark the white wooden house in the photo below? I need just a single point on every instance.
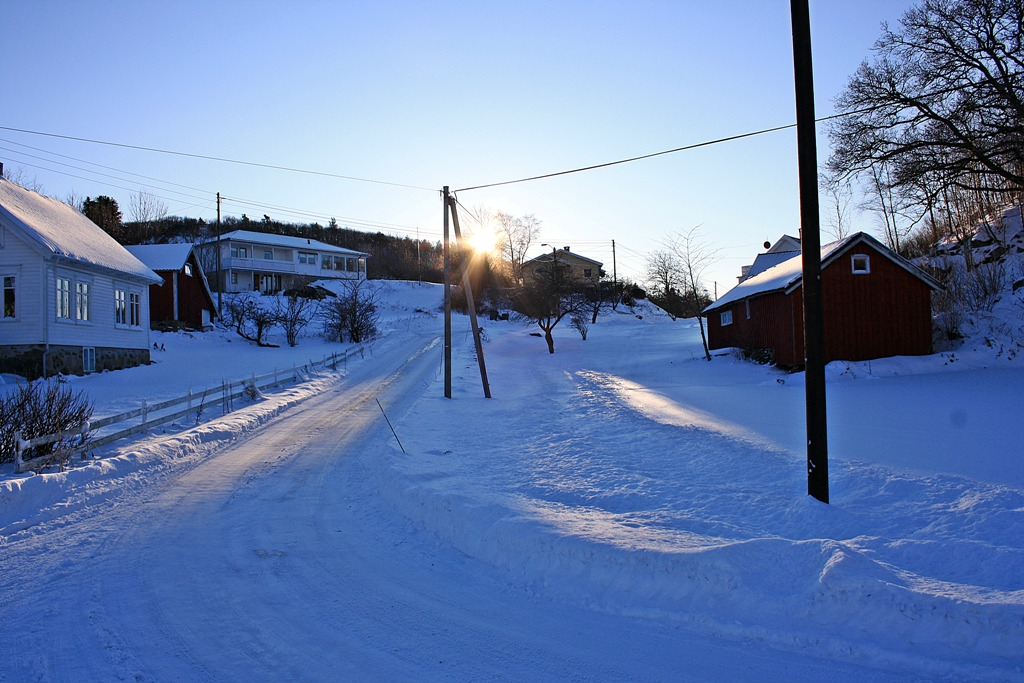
(268, 263)
(74, 300)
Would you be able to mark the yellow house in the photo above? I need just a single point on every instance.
(576, 267)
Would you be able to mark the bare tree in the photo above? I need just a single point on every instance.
(516, 235)
(294, 313)
(839, 199)
(19, 177)
(146, 207)
(942, 95)
(352, 314)
(695, 256)
(75, 201)
(252, 319)
(548, 296)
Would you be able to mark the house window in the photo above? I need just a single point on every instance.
(234, 278)
(327, 263)
(134, 309)
(81, 300)
(726, 318)
(88, 359)
(748, 308)
(64, 298)
(268, 255)
(120, 307)
(9, 291)
(362, 265)
(239, 252)
(587, 272)
(351, 265)
(188, 269)
(306, 257)
(860, 264)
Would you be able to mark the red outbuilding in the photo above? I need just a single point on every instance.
(877, 304)
(185, 294)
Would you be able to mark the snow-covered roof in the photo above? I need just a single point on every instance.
(287, 241)
(564, 252)
(788, 274)
(769, 260)
(161, 256)
(56, 229)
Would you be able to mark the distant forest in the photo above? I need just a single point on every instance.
(391, 258)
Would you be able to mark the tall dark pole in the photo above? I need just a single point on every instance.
(615, 278)
(447, 305)
(810, 246)
(220, 275)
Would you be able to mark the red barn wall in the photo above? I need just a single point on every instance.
(192, 297)
(885, 312)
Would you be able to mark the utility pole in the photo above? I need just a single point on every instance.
(810, 247)
(419, 266)
(615, 279)
(447, 305)
(220, 274)
(467, 287)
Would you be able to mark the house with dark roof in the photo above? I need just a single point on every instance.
(184, 298)
(269, 263)
(74, 300)
(877, 304)
(567, 263)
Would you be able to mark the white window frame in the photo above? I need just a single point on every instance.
(82, 303)
(63, 288)
(13, 278)
(120, 307)
(307, 257)
(88, 359)
(239, 252)
(134, 309)
(853, 264)
(234, 278)
(188, 269)
(725, 318)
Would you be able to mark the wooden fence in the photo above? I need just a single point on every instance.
(196, 402)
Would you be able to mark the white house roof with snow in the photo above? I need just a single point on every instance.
(60, 231)
(286, 241)
(788, 274)
(161, 256)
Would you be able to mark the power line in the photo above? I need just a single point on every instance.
(655, 154)
(212, 158)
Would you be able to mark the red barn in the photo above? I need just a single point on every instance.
(877, 304)
(185, 294)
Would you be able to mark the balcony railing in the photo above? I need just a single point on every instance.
(259, 264)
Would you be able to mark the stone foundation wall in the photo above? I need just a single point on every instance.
(27, 359)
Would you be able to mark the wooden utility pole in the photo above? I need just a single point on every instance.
(220, 273)
(615, 279)
(810, 247)
(471, 304)
(447, 304)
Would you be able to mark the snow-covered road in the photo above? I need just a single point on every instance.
(277, 559)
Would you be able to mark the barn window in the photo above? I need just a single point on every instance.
(188, 269)
(860, 264)
(748, 308)
(726, 318)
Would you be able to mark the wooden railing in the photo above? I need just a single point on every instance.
(225, 394)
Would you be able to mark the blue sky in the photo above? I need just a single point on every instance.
(433, 94)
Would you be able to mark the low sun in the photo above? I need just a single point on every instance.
(483, 241)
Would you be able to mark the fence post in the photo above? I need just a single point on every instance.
(295, 372)
(223, 396)
(145, 411)
(190, 399)
(277, 384)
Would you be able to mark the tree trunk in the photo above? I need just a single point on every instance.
(550, 340)
(700, 322)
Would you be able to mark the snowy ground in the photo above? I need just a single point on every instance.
(620, 510)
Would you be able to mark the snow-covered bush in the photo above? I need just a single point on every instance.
(352, 315)
(39, 408)
(293, 314)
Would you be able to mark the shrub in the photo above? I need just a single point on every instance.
(39, 408)
(352, 316)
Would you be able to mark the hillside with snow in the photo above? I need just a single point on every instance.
(620, 510)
